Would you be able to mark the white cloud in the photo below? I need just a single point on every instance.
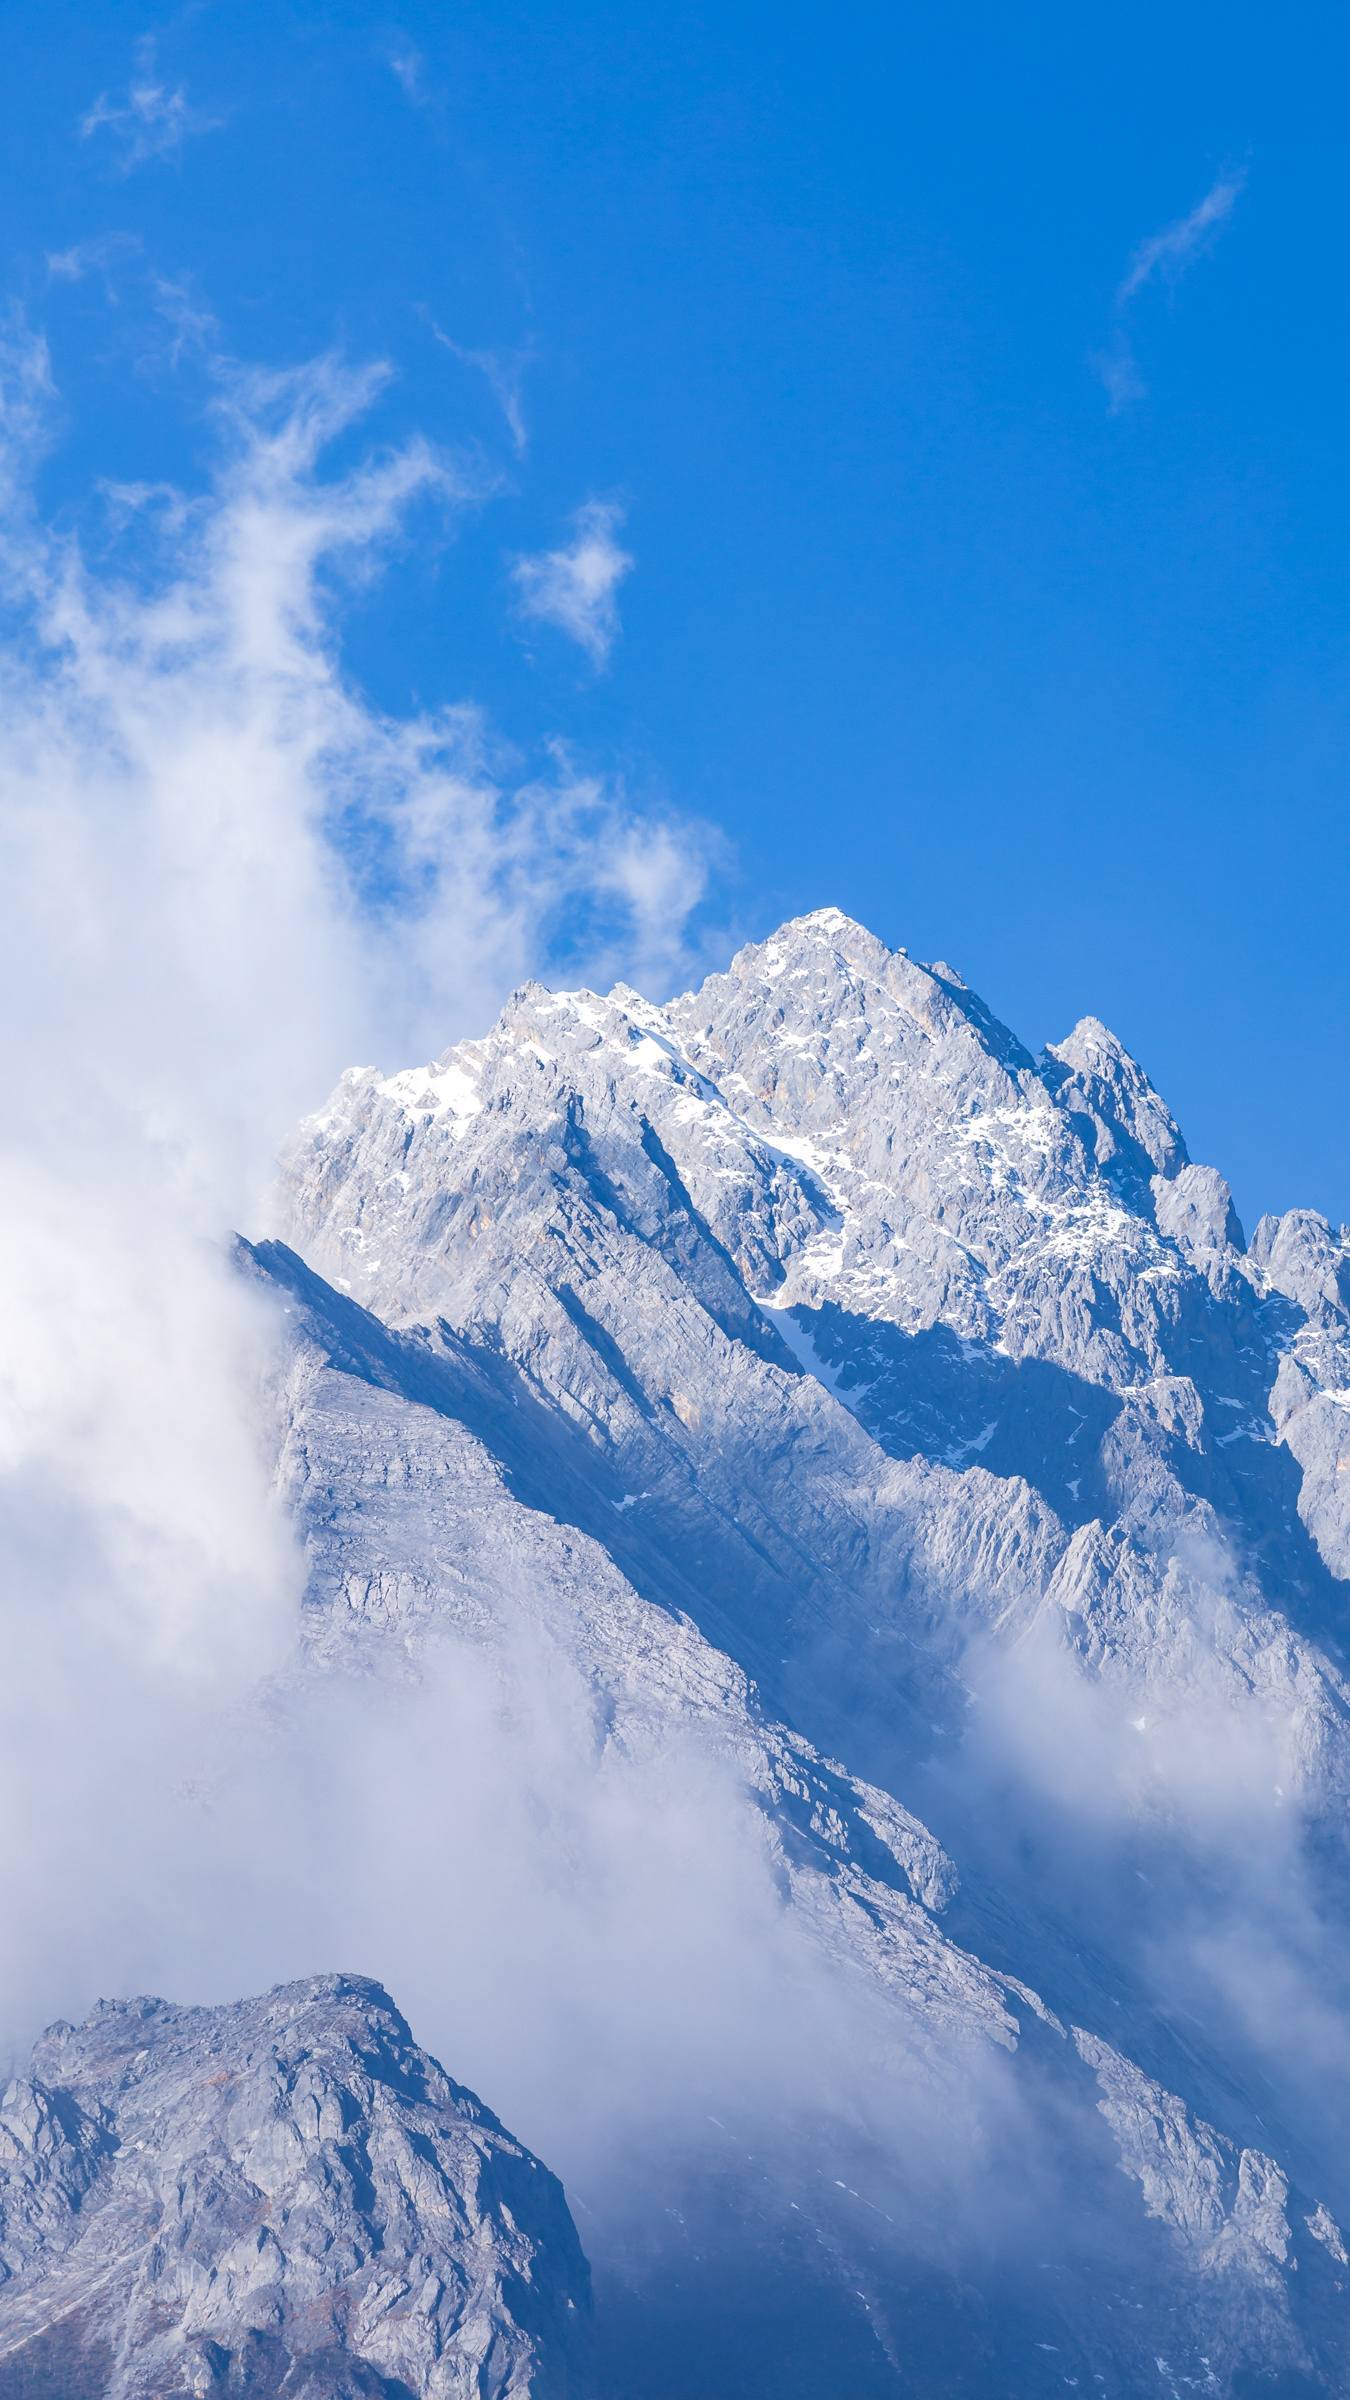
(576, 588)
(1169, 1800)
(1170, 252)
(182, 322)
(503, 377)
(1119, 371)
(96, 257)
(223, 876)
(153, 120)
(407, 66)
(1165, 255)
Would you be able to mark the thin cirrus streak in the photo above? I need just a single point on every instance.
(1167, 256)
(152, 121)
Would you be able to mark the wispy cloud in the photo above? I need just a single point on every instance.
(408, 66)
(153, 120)
(179, 322)
(192, 327)
(1165, 257)
(503, 377)
(222, 874)
(171, 322)
(97, 257)
(1170, 252)
(1119, 371)
(576, 588)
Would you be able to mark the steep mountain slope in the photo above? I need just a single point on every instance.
(840, 1381)
(286, 2195)
(406, 1468)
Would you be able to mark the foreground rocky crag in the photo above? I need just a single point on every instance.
(282, 2196)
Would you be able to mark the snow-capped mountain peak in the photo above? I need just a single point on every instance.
(845, 1350)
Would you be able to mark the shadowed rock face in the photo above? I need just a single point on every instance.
(282, 2196)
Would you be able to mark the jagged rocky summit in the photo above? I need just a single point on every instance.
(834, 1150)
(813, 1354)
(281, 2196)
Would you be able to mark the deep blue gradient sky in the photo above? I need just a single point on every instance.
(1054, 689)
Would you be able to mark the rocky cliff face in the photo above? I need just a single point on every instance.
(417, 1480)
(816, 1347)
(282, 2196)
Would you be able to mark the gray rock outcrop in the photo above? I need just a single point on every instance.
(284, 2196)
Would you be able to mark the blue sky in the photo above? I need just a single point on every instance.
(964, 386)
